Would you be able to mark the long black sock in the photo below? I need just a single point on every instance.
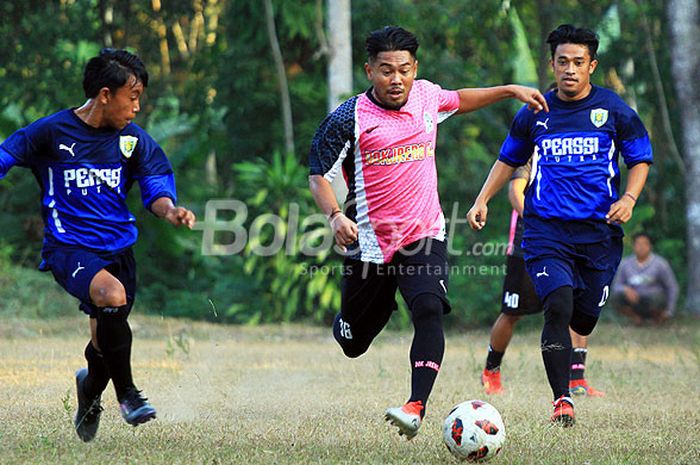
(114, 337)
(578, 362)
(98, 376)
(428, 345)
(556, 341)
(493, 359)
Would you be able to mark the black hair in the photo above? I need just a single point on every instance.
(642, 234)
(568, 34)
(390, 39)
(112, 69)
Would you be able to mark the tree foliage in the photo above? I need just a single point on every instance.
(214, 105)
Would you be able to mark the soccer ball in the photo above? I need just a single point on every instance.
(474, 431)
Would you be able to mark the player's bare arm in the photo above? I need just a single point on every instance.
(177, 216)
(344, 229)
(474, 99)
(498, 176)
(621, 211)
(516, 194)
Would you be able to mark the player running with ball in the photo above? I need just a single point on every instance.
(392, 224)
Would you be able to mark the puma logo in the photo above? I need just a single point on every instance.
(543, 123)
(68, 149)
(542, 273)
(77, 270)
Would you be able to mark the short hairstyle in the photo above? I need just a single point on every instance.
(568, 34)
(390, 39)
(642, 234)
(112, 69)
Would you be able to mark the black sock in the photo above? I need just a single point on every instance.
(493, 359)
(578, 362)
(114, 337)
(428, 345)
(98, 376)
(556, 341)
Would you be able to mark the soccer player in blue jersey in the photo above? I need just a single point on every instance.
(573, 211)
(85, 160)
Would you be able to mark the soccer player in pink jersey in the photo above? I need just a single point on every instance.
(392, 226)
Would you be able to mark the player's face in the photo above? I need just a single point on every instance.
(642, 247)
(122, 105)
(573, 67)
(392, 75)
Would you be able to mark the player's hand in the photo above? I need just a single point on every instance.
(533, 97)
(621, 211)
(476, 216)
(344, 230)
(178, 216)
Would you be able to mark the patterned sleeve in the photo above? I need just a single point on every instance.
(334, 141)
(632, 136)
(518, 146)
(153, 171)
(448, 103)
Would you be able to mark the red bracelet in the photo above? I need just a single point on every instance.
(631, 196)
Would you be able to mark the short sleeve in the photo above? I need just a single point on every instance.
(633, 139)
(448, 103)
(333, 141)
(25, 144)
(518, 146)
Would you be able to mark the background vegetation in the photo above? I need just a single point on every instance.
(214, 106)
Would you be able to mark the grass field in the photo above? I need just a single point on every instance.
(286, 395)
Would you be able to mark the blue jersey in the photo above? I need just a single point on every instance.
(85, 174)
(578, 145)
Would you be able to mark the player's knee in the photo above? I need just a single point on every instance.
(342, 332)
(583, 323)
(559, 305)
(109, 296)
(427, 307)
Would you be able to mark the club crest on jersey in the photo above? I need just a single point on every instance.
(599, 117)
(127, 144)
(428, 120)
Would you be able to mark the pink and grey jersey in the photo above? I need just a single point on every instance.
(388, 161)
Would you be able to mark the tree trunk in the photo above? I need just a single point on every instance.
(339, 34)
(685, 63)
(340, 59)
(281, 78)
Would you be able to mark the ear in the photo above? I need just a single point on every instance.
(415, 69)
(592, 66)
(104, 95)
(368, 71)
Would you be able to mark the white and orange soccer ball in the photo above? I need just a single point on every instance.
(474, 431)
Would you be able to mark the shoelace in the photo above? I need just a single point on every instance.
(92, 412)
(134, 399)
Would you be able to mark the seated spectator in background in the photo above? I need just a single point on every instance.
(645, 286)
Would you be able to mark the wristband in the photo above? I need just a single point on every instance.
(631, 196)
(333, 213)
